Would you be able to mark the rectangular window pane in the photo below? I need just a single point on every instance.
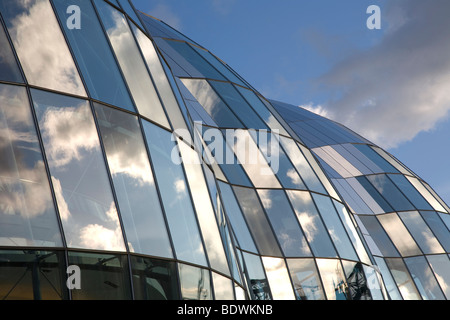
(312, 225)
(379, 236)
(390, 192)
(256, 277)
(132, 64)
(94, 56)
(103, 276)
(195, 283)
(27, 213)
(410, 192)
(306, 280)
(135, 188)
(82, 189)
(257, 222)
(175, 195)
(283, 220)
(40, 45)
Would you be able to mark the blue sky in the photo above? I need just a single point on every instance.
(390, 85)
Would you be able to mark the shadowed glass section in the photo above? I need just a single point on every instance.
(132, 63)
(40, 45)
(9, 70)
(175, 195)
(305, 279)
(27, 213)
(283, 221)
(195, 283)
(80, 181)
(93, 54)
(32, 275)
(103, 276)
(256, 277)
(133, 182)
(154, 279)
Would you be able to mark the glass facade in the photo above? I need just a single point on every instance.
(135, 164)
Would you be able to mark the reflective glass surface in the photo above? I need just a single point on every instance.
(284, 223)
(195, 283)
(311, 223)
(78, 173)
(27, 212)
(438, 227)
(305, 279)
(9, 69)
(103, 276)
(132, 63)
(440, 264)
(379, 236)
(278, 278)
(154, 279)
(410, 192)
(93, 54)
(389, 282)
(357, 283)
(333, 279)
(40, 45)
(175, 195)
(223, 287)
(424, 278)
(403, 279)
(256, 277)
(257, 221)
(134, 184)
(32, 275)
(390, 192)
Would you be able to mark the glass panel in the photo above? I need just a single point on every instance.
(130, 11)
(306, 280)
(175, 195)
(40, 45)
(399, 234)
(390, 192)
(352, 232)
(94, 56)
(195, 283)
(278, 277)
(411, 193)
(28, 274)
(287, 229)
(259, 287)
(424, 278)
(421, 233)
(375, 195)
(103, 276)
(205, 211)
(374, 281)
(380, 237)
(223, 287)
(212, 103)
(160, 79)
(257, 222)
(154, 279)
(312, 225)
(301, 164)
(438, 227)
(132, 176)
(335, 228)
(375, 157)
(357, 287)
(426, 194)
(27, 213)
(403, 279)
(440, 264)
(333, 279)
(132, 64)
(77, 168)
(237, 221)
(9, 70)
(195, 60)
(238, 105)
(389, 282)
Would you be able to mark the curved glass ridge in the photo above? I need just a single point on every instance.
(136, 155)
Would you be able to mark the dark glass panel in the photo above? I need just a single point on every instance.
(79, 176)
(93, 54)
(424, 278)
(257, 221)
(195, 283)
(40, 45)
(9, 70)
(32, 275)
(284, 222)
(154, 279)
(374, 194)
(126, 6)
(103, 276)
(410, 192)
(358, 288)
(256, 277)
(27, 212)
(379, 236)
(175, 195)
(376, 158)
(390, 192)
(134, 184)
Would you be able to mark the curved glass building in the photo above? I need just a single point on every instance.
(135, 164)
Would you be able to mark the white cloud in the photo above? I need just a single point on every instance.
(317, 109)
(399, 87)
